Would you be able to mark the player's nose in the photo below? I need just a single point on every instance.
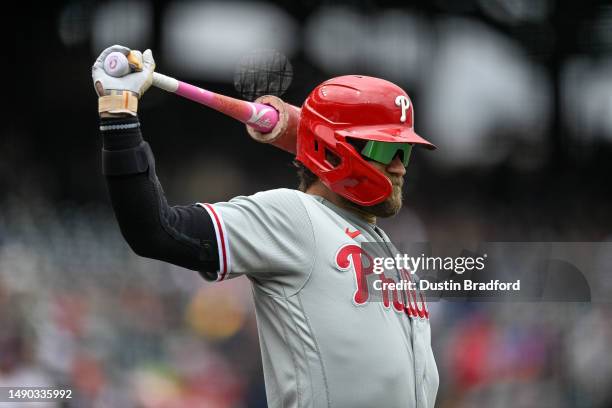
(396, 167)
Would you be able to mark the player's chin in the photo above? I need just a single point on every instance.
(390, 207)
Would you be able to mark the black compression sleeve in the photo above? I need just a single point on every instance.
(182, 235)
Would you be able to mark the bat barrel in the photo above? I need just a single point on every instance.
(260, 117)
(284, 134)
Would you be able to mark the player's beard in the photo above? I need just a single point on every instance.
(390, 206)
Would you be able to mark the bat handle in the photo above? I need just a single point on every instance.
(165, 82)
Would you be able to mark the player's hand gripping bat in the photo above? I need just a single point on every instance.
(268, 119)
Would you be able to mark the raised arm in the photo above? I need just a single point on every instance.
(182, 235)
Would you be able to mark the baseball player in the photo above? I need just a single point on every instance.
(327, 340)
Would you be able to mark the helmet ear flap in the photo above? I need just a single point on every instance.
(329, 160)
(332, 159)
(319, 149)
(356, 179)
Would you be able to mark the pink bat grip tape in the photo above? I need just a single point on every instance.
(260, 117)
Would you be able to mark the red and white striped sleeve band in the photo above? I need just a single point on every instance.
(222, 242)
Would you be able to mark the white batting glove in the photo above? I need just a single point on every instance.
(136, 82)
(119, 95)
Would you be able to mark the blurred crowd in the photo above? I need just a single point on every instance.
(79, 311)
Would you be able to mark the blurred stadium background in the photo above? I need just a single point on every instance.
(517, 95)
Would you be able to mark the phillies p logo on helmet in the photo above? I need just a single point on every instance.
(404, 103)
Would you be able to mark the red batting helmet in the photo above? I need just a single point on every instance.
(358, 107)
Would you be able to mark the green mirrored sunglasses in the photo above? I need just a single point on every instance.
(384, 152)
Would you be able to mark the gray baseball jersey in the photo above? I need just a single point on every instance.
(325, 340)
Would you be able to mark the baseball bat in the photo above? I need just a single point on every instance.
(268, 119)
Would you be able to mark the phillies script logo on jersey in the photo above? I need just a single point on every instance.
(351, 256)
